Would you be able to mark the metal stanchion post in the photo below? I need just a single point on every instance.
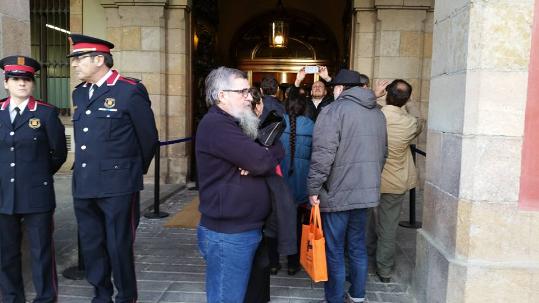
(76, 272)
(412, 223)
(156, 214)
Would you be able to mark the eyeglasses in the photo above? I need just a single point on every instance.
(244, 92)
(79, 58)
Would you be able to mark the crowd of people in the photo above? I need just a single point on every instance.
(342, 151)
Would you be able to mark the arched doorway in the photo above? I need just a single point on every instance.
(310, 42)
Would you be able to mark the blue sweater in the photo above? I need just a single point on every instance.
(302, 157)
(229, 202)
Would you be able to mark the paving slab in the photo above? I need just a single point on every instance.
(170, 269)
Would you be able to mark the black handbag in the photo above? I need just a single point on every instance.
(271, 129)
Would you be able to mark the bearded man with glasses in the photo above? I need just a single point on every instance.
(234, 197)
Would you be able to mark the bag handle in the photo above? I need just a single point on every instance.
(316, 220)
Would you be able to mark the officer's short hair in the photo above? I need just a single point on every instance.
(109, 61)
(269, 86)
(218, 80)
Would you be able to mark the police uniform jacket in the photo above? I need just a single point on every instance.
(115, 137)
(31, 151)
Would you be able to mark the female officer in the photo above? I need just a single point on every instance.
(32, 149)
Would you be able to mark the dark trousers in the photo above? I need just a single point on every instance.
(39, 228)
(107, 229)
(258, 289)
(293, 260)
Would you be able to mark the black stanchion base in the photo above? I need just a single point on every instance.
(407, 224)
(74, 273)
(153, 215)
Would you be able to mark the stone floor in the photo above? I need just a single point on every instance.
(170, 269)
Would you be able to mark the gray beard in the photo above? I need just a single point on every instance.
(248, 123)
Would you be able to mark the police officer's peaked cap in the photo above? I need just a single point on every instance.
(85, 44)
(19, 66)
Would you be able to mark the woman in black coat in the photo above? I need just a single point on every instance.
(32, 149)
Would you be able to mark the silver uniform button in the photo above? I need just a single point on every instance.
(45, 183)
(88, 112)
(12, 180)
(12, 164)
(12, 148)
(83, 164)
(85, 129)
(11, 133)
(83, 147)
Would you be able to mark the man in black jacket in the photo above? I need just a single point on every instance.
(269, 87)
(234, 197)
(319, 94)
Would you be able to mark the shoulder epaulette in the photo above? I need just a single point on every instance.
(132, 81)
(40, 102)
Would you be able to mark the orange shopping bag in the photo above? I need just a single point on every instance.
(313, 247)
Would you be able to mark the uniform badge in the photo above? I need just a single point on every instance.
(110, 102)
(34, 123)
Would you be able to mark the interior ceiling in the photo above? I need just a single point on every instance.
(234, 14)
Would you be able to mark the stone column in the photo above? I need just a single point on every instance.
(364, 37)
(14, 30)
(178, 70)
(149, 38)
(393, 39)
(75, 26)
(476, 245)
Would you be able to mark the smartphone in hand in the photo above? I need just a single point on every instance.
(311, 69)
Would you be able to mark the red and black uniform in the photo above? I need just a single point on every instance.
(31, 151)
(32, 148)
(115, 141)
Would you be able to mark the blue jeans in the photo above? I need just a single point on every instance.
(345, 229)
(229, 258)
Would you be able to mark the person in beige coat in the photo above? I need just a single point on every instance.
(398, 175)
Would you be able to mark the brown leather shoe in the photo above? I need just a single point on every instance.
(275, 269)
(383, 279)
(292, 270)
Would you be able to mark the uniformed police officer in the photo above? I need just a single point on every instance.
(115, 138)
(32, 149)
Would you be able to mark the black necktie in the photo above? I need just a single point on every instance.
(17, 116)
(91, 91)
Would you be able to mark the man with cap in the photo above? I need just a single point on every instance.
(32, 149)
(115, 139)
(348, 155)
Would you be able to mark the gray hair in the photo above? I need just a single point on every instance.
(218, 80)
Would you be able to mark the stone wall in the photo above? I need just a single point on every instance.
(393, 39)
(14, 30)
(151, 45)
(476, 245)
